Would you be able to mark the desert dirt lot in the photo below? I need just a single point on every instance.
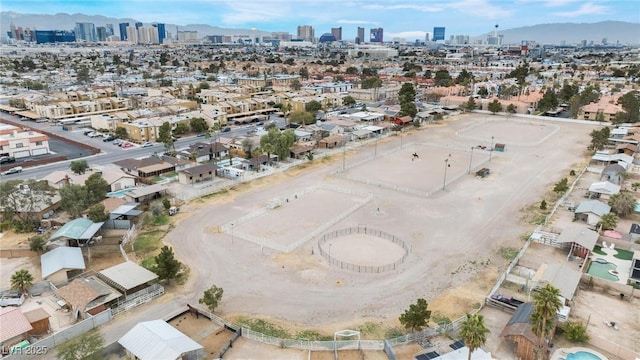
(453, 234)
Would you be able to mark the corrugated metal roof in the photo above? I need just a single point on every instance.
(128, 275)
(63, 257)
(73, 229)
(593, 206)
(12, 323)
(157, 340)
(579, 235)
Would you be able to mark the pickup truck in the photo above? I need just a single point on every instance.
(11, 299)
(507, 300)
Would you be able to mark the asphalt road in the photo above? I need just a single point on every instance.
(110, 152)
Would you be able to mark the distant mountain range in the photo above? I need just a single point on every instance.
(570, 33)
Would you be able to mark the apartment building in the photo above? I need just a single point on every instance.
(19, 143)
(69, 109)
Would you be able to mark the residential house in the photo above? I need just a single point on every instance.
(145, 167)
(62, 263)
(196, 174)
(19, 143)
(591, 211)
(87, 296)
(613, 173)
(202, 151)
(14, 327)
(300, 151)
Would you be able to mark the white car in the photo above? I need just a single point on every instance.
(14, 170)
(147, 144)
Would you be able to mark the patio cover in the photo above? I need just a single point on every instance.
(564, 278)
(157, 340)
(77, 229)
(127, 276)
(593, 206)
(604, 187)
(126, 209)
(579, 235)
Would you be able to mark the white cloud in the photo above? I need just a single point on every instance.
(585, 9)
(549, 3)
(247, 12)
(483, 7)
(421, 8)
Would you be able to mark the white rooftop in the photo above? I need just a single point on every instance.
(157, 340)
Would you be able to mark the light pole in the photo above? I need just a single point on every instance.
(376, 148)
(330, 251)
(471, 159)
(491, 149)
(344, 154)
(231, 233)
(446, 165)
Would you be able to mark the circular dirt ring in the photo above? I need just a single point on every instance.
(363, 250)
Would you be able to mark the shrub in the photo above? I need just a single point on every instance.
(576, 332)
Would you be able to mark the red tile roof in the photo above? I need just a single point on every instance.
(12, 323)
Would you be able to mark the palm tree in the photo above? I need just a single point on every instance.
(286, 108)
(21, 280)
(546, 303)
(473, 332)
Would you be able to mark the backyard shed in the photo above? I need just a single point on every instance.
(156, 339)
(563, 278)
(39, 320)
(518, 331)
(499, 147)
(604, 188)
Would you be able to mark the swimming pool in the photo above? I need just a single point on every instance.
(582, 355)
(120, 193)
(602, 270)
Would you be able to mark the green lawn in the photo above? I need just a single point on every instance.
(624, 254)
(598, 250)
(148, 242)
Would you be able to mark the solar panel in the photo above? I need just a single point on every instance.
(428, 356)
(457, 345)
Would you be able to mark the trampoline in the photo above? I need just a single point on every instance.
(428, 356)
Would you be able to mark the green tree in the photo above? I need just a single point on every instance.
(87, 346)
(549, 101)
(443, 78)
(474, 332)
(483, 92)
(302, 117)
(198, 125)
(416, 316)
(164, 135)
(97, 213)
(495, 106)
(19, 206)
(562, 186)
(511, 109)
(79, 166)
(212, 297)
(166, 203)
(599, 138)
(278, 142)
(546, 303)
(519, 73)
(36, 244)
(304, 72)
(608, 221)
(181, 128)
(407, 92)
(313, 106)
(73, 199)
(630, 102)
(543, 204)
(348, 100)
(464, 77)
(248, 148)
(121, 132)
(371, 83)
(96, 188)
(21, 280)
(408, 108)
(82, 74)
(623, 204)
(166, 265)
(469, 105)
(575, 332)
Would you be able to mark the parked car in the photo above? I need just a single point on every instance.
(507, 300)
(117, 142)
(12, 298)
(7, 159)
(14, 170)
(147, 144)
(126, 145)
(226, 129)
(109, 138)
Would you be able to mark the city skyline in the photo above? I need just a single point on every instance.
(403, 19)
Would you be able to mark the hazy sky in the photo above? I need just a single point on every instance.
(404, 18)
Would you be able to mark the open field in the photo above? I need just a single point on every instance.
(453, 234)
